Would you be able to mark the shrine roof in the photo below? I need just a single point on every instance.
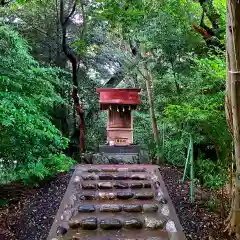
(118, 89)
(124, 96)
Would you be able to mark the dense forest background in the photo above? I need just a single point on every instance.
(55, 53)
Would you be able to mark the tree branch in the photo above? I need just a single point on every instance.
(39, 30)
(64, 22)
(3, 3)
(72, 58)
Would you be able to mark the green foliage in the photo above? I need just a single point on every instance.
(188, 82)
(142, 132)
(211, 204)
(3, 202)
(174, 151)
(28, 94)
(211, 174)
(96, 131)
(142, 122)
(199, 110)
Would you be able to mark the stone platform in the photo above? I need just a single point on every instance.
(132, 154)
(116, 202)
(130, 149)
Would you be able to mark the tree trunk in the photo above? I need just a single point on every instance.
(139, 52)
(73, 59)
(148, 79)
(80, 112)
(232, 97)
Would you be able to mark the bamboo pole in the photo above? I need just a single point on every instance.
(163, 140)
(186, 163)
(191, 171)
(190, 162)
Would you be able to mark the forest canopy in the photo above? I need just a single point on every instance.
(55, 53)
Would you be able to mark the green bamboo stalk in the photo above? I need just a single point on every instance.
(163, 139)
(187, 161)
(191, 171)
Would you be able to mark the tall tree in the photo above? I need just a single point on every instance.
(64, 20)
(233, 104)
(146, 74)
(148, 79)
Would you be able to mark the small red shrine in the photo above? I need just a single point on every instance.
(119, 104)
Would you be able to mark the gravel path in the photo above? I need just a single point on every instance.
(32, 219)
(37, 216)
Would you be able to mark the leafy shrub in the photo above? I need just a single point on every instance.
(96, 131)
(142, 128)
(211, 174)
(199, 110)
(174, 152)
(28, 94)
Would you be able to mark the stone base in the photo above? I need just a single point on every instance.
(131, 154)
(100, 158)
(130, 149)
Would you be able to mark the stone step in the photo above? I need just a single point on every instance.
(116, 202)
